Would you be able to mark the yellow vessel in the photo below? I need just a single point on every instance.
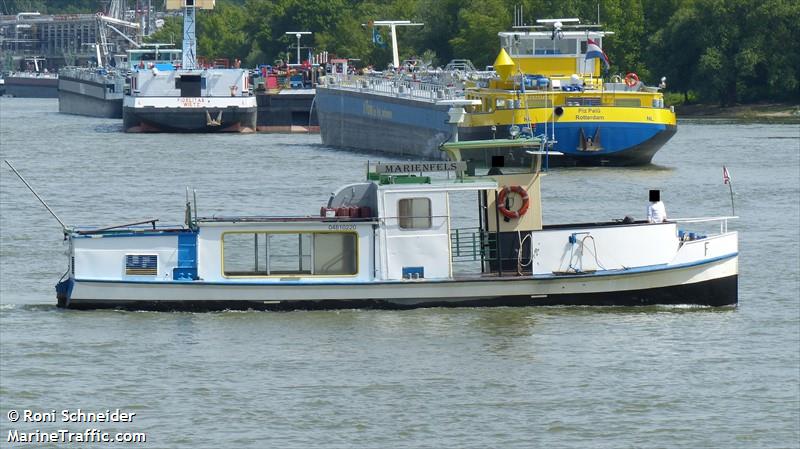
(549, 83)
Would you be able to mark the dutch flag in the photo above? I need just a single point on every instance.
(594, 51)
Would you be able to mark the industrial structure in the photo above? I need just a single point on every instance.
(71, 39)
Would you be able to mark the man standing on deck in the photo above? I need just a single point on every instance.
(656, 212)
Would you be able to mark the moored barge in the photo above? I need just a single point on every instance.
(544, 82)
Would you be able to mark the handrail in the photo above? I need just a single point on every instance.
(702, 219)
(423, 90)
(151, 221)
(723, 225)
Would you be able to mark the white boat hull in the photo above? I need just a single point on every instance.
(712, 282)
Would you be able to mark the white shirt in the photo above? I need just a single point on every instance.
(656, 212)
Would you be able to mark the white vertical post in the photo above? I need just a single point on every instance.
(298, 35)
(395, 53)
(392, 24)
(298, 48)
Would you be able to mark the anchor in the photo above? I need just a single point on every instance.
(212, 122)
(590, 143)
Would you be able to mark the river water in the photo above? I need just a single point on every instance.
(468, 378)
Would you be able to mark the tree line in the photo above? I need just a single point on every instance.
(721, 51)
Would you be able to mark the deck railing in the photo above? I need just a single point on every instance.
(723, 221)
(472, 244)
(401, 88)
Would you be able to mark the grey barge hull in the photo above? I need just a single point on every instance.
(92, 96)
(31, 87)
(400, 126)
(77, 104)
(287, 111)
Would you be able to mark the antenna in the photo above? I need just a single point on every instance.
(554, 21)
(188, 213)
(63, 226)
(194, 196)
(298, 34)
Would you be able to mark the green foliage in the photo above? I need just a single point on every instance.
(723, 51)
(479, 23)
(171, 32)
(219, 35)
(731, 51)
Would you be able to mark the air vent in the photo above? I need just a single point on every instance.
(141, 265)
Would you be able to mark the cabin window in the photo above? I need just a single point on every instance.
(414, 213)
(141, 264)
(628, 102)
(281, 254)
(335, 253)
(245, 254)
(556, 46)
(505, 42)
(517, 45)
(289, 253)
(524, 47)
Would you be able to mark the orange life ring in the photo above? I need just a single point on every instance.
(631, 79)
(501, 202)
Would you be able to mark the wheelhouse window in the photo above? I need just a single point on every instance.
(556, 46)
(525, 47)
(518, 45)
(289, 254)
(414, 213)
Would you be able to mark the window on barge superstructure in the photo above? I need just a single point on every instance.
(289, 254)
(414, 213)
(556, 47)
(518, 45)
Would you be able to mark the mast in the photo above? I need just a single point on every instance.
(189, 38)
(392, 24)
(298, 35)
(189, 19)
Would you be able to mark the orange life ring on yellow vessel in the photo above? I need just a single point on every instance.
(501, 202)
(631, 79)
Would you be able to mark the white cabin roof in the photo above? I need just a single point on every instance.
(562, 34)
(447, 186)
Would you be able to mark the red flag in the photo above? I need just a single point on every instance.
(726, 177)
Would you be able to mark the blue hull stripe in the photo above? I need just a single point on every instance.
(613, 137)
